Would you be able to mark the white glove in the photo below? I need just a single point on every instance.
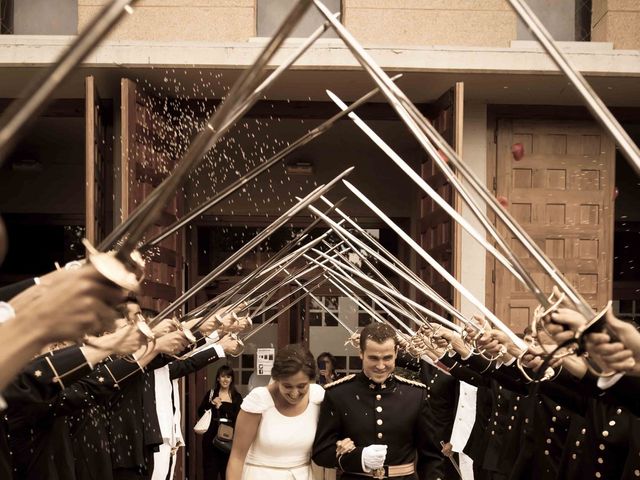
(373, 457)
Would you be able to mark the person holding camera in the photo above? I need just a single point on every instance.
(327, 369)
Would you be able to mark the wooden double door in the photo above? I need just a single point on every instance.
(562, 193)
(145, 160)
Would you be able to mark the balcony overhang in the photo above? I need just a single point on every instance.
(520, 74)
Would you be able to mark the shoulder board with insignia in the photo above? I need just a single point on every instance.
(340, 380)
(410, 382)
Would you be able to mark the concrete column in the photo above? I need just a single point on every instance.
(473, 266)
(616, 21)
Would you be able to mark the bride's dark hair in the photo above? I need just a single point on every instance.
(292, 359)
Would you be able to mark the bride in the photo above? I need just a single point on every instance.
(277, 423)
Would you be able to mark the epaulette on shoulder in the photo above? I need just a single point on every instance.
(410, 382)
(340, 380)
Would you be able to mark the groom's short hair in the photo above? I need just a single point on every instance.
(378, 332)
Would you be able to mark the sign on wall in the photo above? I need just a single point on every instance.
(265, 360)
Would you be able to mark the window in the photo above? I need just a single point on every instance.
(566, 20)
(319, 317)
(39, 17)
(272, 12)
(365, 318)
(6, 16)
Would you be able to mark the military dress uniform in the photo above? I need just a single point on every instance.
(442, 397)
(394, 413)
(39, 436)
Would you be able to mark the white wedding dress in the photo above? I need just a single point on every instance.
(282, 448)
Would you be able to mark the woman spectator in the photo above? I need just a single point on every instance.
(224, 401)
(327, 368)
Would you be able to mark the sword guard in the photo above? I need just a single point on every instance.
(243, 324)
(240, 349)
(116, 271)
(188, 334)
(353, 340)
(145, 329)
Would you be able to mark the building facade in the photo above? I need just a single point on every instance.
(118, 125)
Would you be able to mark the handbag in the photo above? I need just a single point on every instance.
(204, 422)
(202, 425)
(224, 438)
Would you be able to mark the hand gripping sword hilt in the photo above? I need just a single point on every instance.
(128, 276)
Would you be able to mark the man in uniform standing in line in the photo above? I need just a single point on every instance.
(386, 416)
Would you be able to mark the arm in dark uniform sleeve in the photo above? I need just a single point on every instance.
(96, 388)
(474, 366)
(329, 431)
(117, 373)
(39, 384)
(44, 376)
(626, 393)
(159, 361)
(477, 363)
(180, 368)
(424, 434)
(564, 390)
(10, 291)
(510, 377)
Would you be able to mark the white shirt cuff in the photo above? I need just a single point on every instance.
(213, 337)
(85, 357)
(604, 383)
(500, 363)
(6, 312)
(219, 351)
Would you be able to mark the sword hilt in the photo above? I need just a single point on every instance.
(143, 326)
(127, 276)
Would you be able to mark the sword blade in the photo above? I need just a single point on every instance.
(440, 269)
(427, 291)
(387, 290)
(250, 245)
(33, 99)
(512, 264)
(433, 143)
(221, 121)
(597, 107)
(324, 307)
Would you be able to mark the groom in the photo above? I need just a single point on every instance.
(385, 415)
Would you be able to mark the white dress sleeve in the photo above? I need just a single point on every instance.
(316, 393)
(258, 401)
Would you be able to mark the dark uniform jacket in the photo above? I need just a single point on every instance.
(40, 440)
(28, 396)
(134, 432)
(442, 397)
(9, 291)
(395, 413)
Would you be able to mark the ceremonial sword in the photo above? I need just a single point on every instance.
(590, 97)
(35, 96)
(425, 133)
(255, 241)
(441, 270)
